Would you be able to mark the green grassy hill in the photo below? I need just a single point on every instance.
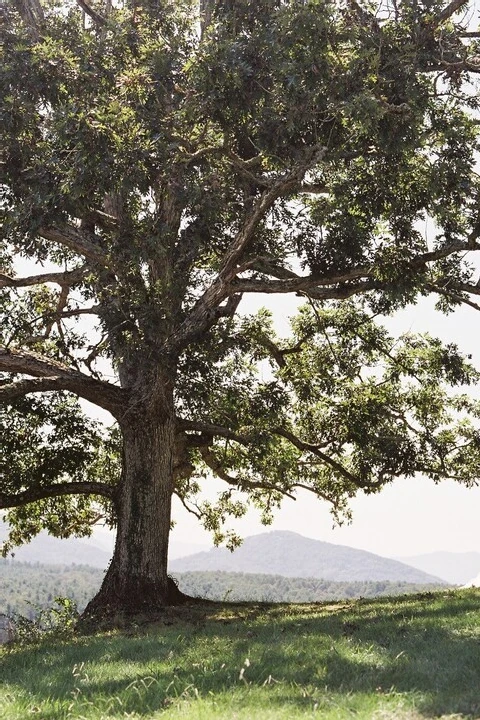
(410, 658)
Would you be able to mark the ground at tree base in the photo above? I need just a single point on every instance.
(405, 658)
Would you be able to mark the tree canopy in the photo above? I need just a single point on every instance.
(160, 164)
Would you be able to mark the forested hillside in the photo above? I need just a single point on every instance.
(25, 587)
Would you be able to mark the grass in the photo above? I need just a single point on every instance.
(402, 658)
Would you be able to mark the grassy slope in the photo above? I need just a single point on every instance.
(412, 657)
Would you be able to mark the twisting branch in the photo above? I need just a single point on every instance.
(99, 392)
(64, 279)
(55, 490)
(214, 464)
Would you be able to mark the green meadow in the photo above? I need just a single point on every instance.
(411, 657)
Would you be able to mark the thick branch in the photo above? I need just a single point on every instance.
(48, 491)
(96, 17)
(32, 15)
(202, 315)
(283, 185)
(57, 376)
(64, 279)
(447, 12)
(76, 240)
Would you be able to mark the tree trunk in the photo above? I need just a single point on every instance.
(136, 581)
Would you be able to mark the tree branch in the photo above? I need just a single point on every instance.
(74, 239)
(455, 296)
(48, 491)
(96, 17)
(57, 376)
(202, 315)
(64, 279)
(447, 12)
(213, 463)
(315, 450)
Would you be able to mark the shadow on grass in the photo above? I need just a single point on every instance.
(424, 646)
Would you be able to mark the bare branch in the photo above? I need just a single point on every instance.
(10, 391)
(98, 392)
(64, 279)
(93, 310)
(212, 430)
(96, 17)
(455, 296)
(187, 507)
(56, 490)
(447, 12)
(315, 450)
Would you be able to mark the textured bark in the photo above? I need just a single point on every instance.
(136, 581)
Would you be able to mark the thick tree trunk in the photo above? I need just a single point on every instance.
(136, 581)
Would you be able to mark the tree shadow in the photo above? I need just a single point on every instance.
(427, 646)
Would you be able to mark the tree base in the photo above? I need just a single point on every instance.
(115, 608)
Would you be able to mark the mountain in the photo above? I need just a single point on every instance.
(292, 555)
(95, 551)
(456, 568)
(52, 551)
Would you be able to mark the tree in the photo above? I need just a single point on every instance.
(166, 163)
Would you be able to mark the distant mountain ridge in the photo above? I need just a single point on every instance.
(455, 568)
(96, 551)
(49, 550)
(292, 555)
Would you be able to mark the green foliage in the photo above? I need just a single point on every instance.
(56, 621)
(164, 166)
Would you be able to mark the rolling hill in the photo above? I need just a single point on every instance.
(292, 555)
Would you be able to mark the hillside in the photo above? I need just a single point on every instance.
(292, 555)
(455, 568)
(408, 658)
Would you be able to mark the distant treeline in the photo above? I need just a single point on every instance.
(25, 587)
(276, 588)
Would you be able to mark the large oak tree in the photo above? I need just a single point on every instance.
(161, 162)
